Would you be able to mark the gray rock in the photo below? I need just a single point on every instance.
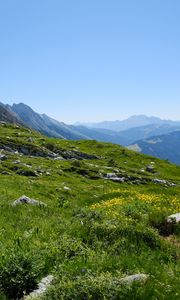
(26, 200)
(150, 169)
(5, 173)
(3, 157)
(27, 173)
(114, 177)
(134, 278)
(174, 218)
(42, 287)
(162, 181)
(30, 140)
(59, 158)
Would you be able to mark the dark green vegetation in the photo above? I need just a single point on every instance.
(93, 231)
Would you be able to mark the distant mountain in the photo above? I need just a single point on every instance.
(163, 146)
(140, 133)
(8, 116)
(134, 121)
(103, 135)
(45, 124)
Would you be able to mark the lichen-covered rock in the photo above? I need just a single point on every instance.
(26, 200)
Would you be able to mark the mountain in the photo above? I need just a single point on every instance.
(53, 128)
(143, 132)
(133, 121)
(89, 215)
(163, 146)
(6, 115)
(103, 135)
(45, 124)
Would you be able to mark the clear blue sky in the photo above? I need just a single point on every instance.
(90, 60)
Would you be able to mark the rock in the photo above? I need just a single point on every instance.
(3, 157)
(5, 173)
(59, 158)
(150, 169)
(16, 161)
(114, 177)
(174, 218)
(42, 287)
(30, 140)
(27, 173)
(26, 200)
(162, 181)
(66, 188)
(134, 278)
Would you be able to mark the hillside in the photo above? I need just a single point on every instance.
(100, 224)
(163, 146)
(45, 124)
(54, 128)
(6, 115)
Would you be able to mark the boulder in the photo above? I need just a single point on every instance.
(26, 200)
(150, 169)
(174, 218)
(3, 157)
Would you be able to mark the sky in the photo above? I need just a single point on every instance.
(91, 60)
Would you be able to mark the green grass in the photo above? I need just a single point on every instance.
(92, 234)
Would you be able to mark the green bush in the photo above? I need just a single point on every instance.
(18, 275)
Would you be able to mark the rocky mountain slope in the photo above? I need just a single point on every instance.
(45, 124)
(86, 220)
(6, 115)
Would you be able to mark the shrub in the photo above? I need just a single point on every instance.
(18, 275)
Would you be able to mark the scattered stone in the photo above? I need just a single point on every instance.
(66, 188)
(150, 169)
(114, 177)
(3, 157)
(59, 158)
(30, 140)
(5, 173)
(42, 287)
(26, 200)
(174, 218)
(27, 173)
(134, 278)
(162, 181)
(16, 162)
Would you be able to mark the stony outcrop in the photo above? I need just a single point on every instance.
(174, 218)
(26, 200)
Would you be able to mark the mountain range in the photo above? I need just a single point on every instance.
(136, 132)
(131, 122)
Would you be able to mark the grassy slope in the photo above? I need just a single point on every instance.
(96, 232)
